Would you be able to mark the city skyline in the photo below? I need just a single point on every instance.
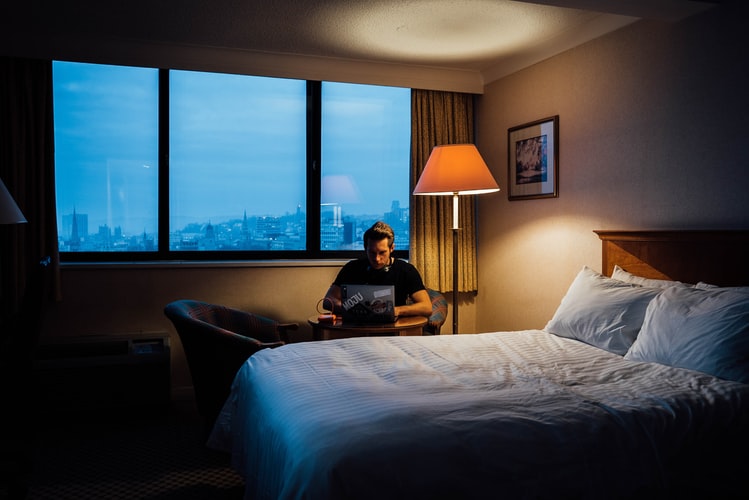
(257, 232)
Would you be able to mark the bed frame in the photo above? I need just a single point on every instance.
(715, 257)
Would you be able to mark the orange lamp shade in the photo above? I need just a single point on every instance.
(455, 169)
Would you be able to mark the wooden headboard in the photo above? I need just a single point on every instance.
(716, 257)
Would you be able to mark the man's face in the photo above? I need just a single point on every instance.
(378, 253)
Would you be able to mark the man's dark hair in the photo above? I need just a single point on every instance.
(379, 231)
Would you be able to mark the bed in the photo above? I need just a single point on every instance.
(638, 385)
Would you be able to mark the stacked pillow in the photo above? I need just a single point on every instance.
(703, 327)
(620, 274)
(704, 330)
(601, 311)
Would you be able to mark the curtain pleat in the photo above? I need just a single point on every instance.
(27, 168)
(440, 118)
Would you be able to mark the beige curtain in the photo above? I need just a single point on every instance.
(441, 118)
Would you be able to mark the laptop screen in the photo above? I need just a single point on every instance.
(368, 303)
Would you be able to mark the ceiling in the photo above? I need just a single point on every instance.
(491, 37)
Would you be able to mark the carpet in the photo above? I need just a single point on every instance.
(153, 456)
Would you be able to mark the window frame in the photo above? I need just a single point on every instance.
(312, 210)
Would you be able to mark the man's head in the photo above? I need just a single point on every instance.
(379, 243)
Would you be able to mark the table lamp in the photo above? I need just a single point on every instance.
(9, 211)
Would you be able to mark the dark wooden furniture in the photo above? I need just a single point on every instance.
(406, 326)
(715, 257)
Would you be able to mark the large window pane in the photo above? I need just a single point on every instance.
(366, 137)
(106, 157)
(237, 168)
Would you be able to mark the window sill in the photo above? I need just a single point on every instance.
(188, 264)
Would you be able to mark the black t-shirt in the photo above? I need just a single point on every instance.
(403, 275)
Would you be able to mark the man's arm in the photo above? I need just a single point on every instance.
(332, 300)
(421, 305)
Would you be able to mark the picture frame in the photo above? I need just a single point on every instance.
(533, 160)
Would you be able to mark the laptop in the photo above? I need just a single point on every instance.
(367, 304)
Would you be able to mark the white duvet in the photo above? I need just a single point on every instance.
(496, 415)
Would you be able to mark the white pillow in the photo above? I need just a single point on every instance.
(707, 286)
(620, 274)
(704, 286)
(704, 330)
(601, 311)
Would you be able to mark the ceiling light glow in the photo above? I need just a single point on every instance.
(444, 29)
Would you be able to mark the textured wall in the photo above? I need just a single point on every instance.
(653, 135)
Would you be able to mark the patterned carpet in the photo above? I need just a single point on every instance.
(158, 456)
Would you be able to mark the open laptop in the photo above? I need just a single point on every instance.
(367, 304)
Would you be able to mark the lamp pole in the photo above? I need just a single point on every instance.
(456, 228)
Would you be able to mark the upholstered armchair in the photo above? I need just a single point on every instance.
(217, 340)
(439, 313)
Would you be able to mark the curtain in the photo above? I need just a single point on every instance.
(27, 168)
(441, 118)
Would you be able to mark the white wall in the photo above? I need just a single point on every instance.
(653, 135)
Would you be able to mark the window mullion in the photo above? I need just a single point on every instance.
(314, 167)
(163, 218)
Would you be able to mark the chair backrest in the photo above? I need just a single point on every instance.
(217, 340)
(231, 320)
(439, 313)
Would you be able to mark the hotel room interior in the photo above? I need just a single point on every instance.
(649, 95)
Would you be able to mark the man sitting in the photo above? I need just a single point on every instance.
(379, 267)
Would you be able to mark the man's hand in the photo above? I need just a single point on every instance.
(421, 305)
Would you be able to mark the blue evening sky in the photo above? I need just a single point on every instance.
(236, 143)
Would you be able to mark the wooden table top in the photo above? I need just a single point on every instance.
(400, 324)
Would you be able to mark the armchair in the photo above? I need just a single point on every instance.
(217, 340)
(439, 313)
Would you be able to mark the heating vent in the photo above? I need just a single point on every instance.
(104, 372)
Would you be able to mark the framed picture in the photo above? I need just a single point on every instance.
(533, 160)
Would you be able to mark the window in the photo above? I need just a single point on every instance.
(237, 162)
(167, 164)
(366, 141)
(106, 157)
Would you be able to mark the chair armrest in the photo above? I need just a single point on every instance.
(271, 345)
(234, 340)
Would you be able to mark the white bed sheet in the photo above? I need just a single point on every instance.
(506, 414)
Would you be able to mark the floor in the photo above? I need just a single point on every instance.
(143, 453)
